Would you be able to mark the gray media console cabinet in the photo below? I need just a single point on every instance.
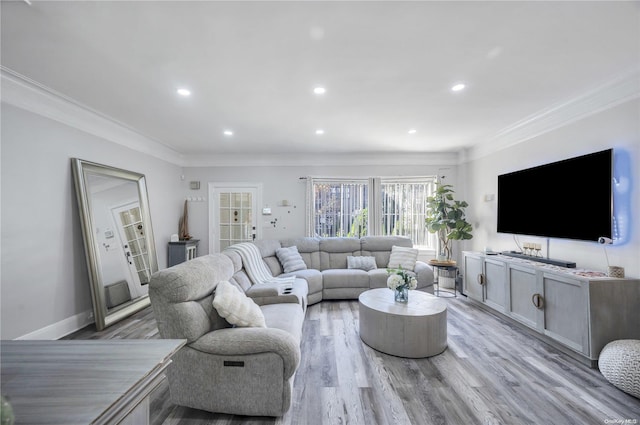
(573, 310)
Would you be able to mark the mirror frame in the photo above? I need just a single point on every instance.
(81, 170)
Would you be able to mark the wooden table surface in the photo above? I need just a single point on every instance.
(420, 303)
(79, 381)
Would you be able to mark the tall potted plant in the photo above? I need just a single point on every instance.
(446, 217)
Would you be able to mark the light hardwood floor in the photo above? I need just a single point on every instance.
(491, 373)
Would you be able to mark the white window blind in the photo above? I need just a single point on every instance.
(404, 209)
(376, 206)
(339, 207)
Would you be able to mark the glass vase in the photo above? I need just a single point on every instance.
(402, 295)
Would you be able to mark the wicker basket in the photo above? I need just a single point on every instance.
(619, 363)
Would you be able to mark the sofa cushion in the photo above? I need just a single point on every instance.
(288, 317)
(312, 276)
(236, 307)
(403, 257)
(242, 280)
(380, 247)
(378, 278)
(309, 249)
(334, 252)
(235, 258)
(290, 259)
(362, 263)
(268, 249)
(345, 278)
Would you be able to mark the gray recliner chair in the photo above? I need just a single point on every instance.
(244, 371)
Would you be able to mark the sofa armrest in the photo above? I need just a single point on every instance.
(424, 274)
(271, 293)
(243, 341)
(268, 289)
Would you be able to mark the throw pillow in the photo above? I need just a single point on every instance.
(362, 263)
(403, 257)
(290, 259)
(236, 307)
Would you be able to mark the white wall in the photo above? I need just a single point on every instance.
(44, 273)
(617, 128)
(283, 182)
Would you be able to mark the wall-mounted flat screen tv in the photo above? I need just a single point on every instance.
(569, 199)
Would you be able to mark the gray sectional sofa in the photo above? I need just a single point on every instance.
(250, 370)
(327, 276)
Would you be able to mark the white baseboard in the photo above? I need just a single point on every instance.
(62, 328)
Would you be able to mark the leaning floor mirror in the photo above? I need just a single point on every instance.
(118, 239)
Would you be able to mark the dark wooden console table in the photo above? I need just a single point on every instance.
(83, 381)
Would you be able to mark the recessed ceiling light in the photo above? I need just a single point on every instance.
(458, 87)
(228, 133)
(184, 92)
(319, 90)
(319, 131)
(412, 131)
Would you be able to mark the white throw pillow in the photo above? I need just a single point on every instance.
(290, 259)
(362, 263)
(403, 257)
(238, 309)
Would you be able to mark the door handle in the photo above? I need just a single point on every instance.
(538, 301)
(127, 253)
(481, 279)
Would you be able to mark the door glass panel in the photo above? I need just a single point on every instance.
(224, 200)
(235, 212)
(135, 248)
(236, 200)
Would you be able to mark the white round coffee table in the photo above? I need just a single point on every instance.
(415, 329)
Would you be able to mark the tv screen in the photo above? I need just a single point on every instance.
(569, 199)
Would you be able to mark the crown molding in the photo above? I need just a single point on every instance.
(27, 94)
(24, 93)
(622, 88)
(322, 159)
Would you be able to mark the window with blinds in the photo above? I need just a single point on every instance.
(341, 207)
(404, 209)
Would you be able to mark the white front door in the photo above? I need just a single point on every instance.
(233, 214)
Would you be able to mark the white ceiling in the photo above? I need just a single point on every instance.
(388, 66)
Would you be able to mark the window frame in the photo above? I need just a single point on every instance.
(374, 202)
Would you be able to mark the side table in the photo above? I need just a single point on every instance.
(450, 268)
(182, 251)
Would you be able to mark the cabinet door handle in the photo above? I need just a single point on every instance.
(481, 280)
(538, 301)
